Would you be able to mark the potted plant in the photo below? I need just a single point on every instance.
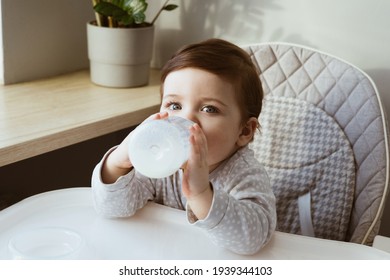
(120, 42)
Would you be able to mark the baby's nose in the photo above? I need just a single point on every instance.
(192, 118)
(189, 115)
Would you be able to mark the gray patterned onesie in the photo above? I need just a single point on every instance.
(242, 217)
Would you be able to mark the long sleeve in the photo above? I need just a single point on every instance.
(122, 198)
(242, 217)
(132, 191)
(243, 213)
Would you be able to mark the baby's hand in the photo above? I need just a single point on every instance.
(196, 186)
(118, 162)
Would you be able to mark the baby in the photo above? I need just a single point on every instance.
(222, 187)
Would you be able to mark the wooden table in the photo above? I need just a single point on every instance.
(42, 116)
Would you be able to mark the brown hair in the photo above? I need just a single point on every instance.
(229, 62)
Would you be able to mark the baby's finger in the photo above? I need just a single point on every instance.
(158, 116)
(199, 143)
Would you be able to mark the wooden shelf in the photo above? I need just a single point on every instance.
(45, 115)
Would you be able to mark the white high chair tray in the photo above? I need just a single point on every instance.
(155, 232)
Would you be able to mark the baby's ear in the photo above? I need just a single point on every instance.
(247, 132)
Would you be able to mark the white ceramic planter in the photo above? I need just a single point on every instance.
(120, 57)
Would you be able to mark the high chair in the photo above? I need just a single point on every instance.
(324, 142)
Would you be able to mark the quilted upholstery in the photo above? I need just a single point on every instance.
(350, 98)
(305, 151)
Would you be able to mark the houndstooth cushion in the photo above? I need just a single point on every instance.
(350, 97)
(304, 150)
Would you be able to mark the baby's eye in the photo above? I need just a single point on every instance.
(174, 106)
(210, 109)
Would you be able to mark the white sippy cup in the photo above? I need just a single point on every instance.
(158, 148)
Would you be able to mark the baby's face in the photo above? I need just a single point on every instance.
(206, 99)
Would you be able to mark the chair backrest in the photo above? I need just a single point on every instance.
(324, 140)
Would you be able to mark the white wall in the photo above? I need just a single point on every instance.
(355, 30)
(47, 37)
(43, 38)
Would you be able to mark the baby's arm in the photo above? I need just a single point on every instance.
(123, 197)
(117, 163)
(118, 190)
(242, 217)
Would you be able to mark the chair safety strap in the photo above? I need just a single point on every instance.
(304, 208)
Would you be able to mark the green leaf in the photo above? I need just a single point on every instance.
(109, 10)
(118, 3)
(126, 12)
(138, 6)
(127, 20)
(139, 18)
(170, 7)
